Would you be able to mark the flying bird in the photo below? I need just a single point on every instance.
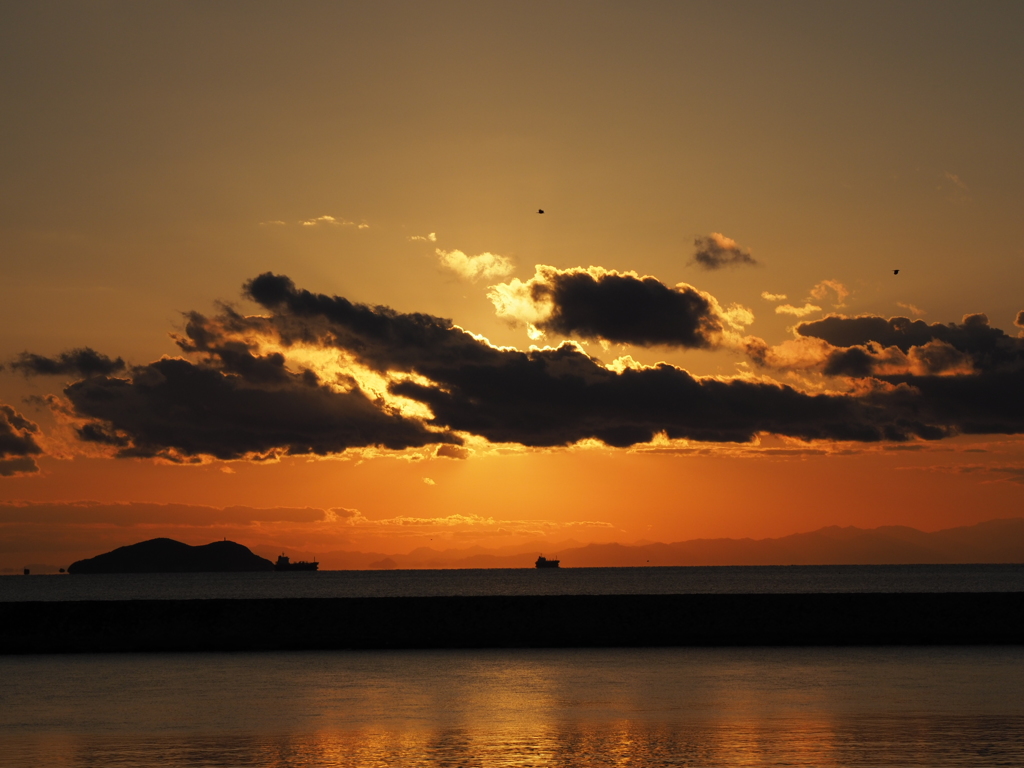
(540, 210)
(895, 271)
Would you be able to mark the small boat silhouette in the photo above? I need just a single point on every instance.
(543, 562)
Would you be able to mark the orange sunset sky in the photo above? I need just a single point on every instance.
(275, 272)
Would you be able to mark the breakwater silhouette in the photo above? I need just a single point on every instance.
(546, 621)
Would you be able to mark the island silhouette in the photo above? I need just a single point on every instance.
(170, 556)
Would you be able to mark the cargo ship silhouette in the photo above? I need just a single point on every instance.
(543, 562)
(284, 564)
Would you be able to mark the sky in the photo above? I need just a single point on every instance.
(275, 272)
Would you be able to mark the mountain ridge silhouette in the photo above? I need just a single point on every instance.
(164, 555)
(993, 541)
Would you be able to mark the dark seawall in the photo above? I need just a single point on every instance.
(513, 622)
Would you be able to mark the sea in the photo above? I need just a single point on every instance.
(519, 581)
(881, 706)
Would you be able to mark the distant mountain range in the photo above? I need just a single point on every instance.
(995, 541)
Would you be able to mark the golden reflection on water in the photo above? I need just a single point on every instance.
(925, 743)
(929, 743)
(564, 709)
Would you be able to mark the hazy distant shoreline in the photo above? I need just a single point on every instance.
(993, 541)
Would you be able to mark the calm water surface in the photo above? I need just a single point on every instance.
(520, 581)
(931, 707)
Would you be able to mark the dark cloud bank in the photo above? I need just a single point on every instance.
(236, 404)
(75, 362)
(625, 309)
(862, 341)
(17, 443)
(970, 375)
(230, 402)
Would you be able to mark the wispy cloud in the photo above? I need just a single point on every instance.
(331, 221)
(910, 308)
(318, 221)
(431, 238)
(956, 190)
(956, 181)
(822, 290)
(484, 265)
(356, 519)
(819, 292)
(789, 309)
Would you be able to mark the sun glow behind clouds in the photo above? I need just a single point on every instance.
(363, 376)
(610, 306)
(482, 266)
(342, 371)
